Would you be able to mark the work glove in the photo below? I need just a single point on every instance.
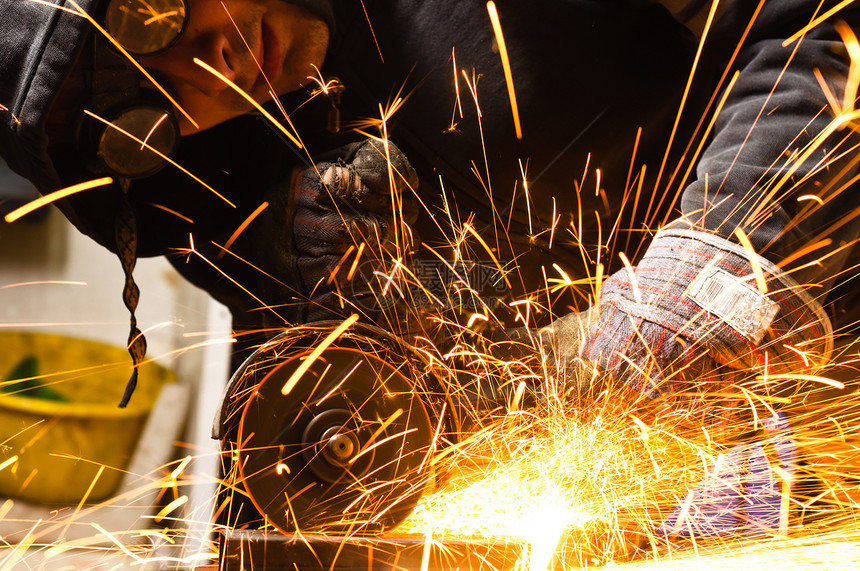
(691, 320)
(700, 324)
(746, 491)
(332, 211)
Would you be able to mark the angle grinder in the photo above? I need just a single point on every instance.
(335, 433)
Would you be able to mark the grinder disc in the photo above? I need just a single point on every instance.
(340, 444)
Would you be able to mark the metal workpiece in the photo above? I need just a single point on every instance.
(248, 550)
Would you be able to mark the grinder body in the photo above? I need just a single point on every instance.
(334, 435)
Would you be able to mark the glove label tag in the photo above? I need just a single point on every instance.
(744, 308)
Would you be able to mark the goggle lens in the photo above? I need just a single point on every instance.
(145, 27)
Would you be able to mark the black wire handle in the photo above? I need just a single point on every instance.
(126, 249)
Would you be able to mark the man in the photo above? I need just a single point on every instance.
(598, 87)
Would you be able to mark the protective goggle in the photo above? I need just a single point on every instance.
(145, 27)
(135, 110)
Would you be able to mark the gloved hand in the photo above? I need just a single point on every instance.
(691, 320)
(744, 493)
(333, 209)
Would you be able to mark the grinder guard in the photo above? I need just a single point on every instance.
(343, 447)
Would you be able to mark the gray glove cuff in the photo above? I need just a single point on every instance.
(703, 287)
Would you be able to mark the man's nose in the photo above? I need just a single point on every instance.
(214, 49)
(177, 64)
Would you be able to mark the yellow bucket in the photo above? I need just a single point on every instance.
(68, 440)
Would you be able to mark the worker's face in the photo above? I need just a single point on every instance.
(286, 41)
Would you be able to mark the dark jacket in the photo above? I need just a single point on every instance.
(40, 44)
(598, 86)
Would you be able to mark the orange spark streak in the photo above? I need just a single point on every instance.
(791, 39)
(180, 468)
(160, 154)
(117, 542)
(686, 91)
(242, 227)
(166, 209)
(811, 197)
(633, 283)
(852, 84)
(475, 317)
(369, 25)
(249, 99)
(272, 93)
(318, 350)
(354, 266)
(83, 500)
(798, 377)
(456, 82)
(339, 264)
(170, 507)
(250, 51)
(161, 16)
(799, 352)
(803, 251)
(506, 65)
(397, 202)
(468, 227)
(760, 280)
(9, 462)
(371, 443)
(193, 250)
(151, 131)
(339, 384)
(45, 282)
(425, 555)
(704, 140)
(54, 196)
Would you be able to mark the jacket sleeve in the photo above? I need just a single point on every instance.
(768, 169)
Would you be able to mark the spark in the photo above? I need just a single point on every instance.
(816, 22)
(171, 507)
(800, 353)
(506, 65)
(315, 354)
(14, 119)
(243, 226)
(456, 84)
(161, 16)
(169, 211)
(354, 266)
(760, 280)
(43, 282)
(8, 462)
(372, 32)
(634, 283)
(370, 443)
(83, 500)
(152, 130)
(242, 93)
(325, 87)
(801, 377)
(117, 542)
(56, 195)
(811, 197)
(687, 88)
(474, 318)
